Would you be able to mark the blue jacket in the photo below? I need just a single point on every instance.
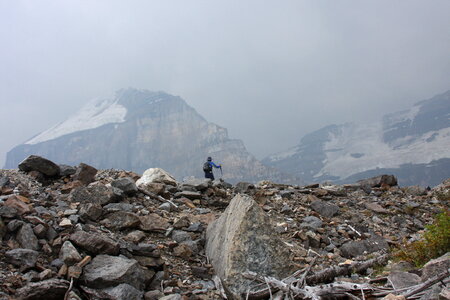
(213, 164)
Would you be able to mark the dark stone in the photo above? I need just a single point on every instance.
(144, 249)
(4, 181)
(356, 248)
(325, 209)
(14, 225)
(90, 211)
(196, 227)
(244, 187)
(189, 195)
(377, 181)
(22, 257)
(8, 212)
(121, 220)
(311, 223)
(126, 184)
(40, 164)
(40, 231)
(51, 289)
(96, 193)
(66, 170)
(180, 236)
(95, 243)
(26, 237)
(85, 173)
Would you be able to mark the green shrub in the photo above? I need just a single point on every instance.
(434, 242)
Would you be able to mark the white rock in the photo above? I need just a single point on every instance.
(155, 175)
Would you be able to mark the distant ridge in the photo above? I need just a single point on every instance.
(413, 144)
(139, 129)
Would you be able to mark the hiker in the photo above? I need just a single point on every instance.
(208, 167)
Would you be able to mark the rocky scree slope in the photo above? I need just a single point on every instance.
(115, 235)
(138, 129)
(412, 144)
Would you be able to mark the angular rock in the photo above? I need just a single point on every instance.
(243, 187)
(415, 190)
(356, 248)
(401, 280)
(121, 220)
(20, 206)
(95, 243)
(135, 236)
(114, 207)
(153, 222)
(377, 181)
(149, 262)
(26, 237)
(40, 231)
(436, 266)
(311, 222)
(85, 173)
(8, 212)
(155, 175)
(96, 193)
(154, 187)
(241, 240)
(181, 236)
(325, 209)
(108, 271)
(90, 211)
(69, 254)
(145, 249)
(40, 164)
(189, 195)
(51, 289)
(66, 170)
(198, 184)
(22, 257)
(376, 208)
(126, 184)
(120, 292)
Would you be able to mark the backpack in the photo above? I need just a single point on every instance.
(207, 167)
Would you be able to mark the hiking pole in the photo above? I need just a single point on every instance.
(221, 173)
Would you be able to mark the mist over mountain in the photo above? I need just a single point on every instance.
(413, 144)
(139, 129)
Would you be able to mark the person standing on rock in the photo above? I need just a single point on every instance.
(208, 168)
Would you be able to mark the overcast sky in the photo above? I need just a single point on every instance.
(269, 71)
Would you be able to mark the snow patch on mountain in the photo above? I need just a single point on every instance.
(95, 113)
(360, 148)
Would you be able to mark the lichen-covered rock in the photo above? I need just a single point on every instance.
(242, 240)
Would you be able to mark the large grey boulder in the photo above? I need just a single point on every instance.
(242, 240)
(40, 164)
(109, 271)
(96, 193)
(120, 292)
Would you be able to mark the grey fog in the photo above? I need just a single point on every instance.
(268, 71)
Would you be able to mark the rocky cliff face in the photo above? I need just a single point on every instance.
(413, 144)
(141, 129)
